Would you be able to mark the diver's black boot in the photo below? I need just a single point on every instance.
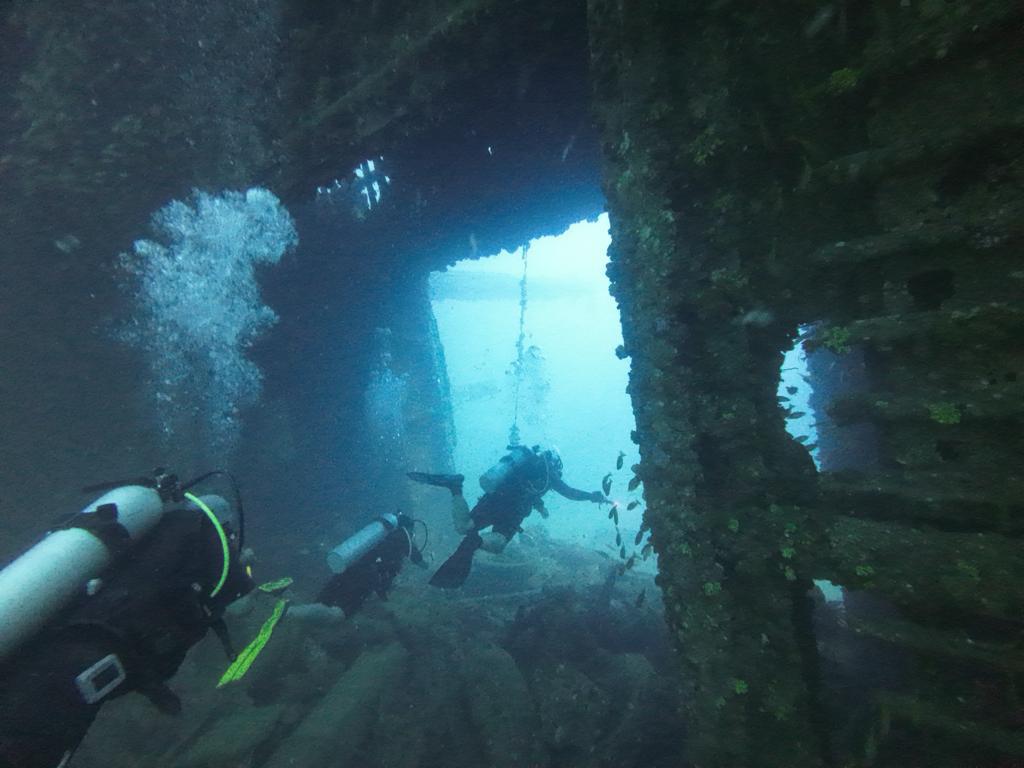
(452, 482)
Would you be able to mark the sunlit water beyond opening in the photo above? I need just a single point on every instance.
(795, 393)
(572, 387)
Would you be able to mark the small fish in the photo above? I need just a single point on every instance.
(67, 244)
(796, 415)
(820, 20)
(615, 513)
(759, 318)
(622, 552)
(606, 484)
(633, 483)
(611, 512)
(639, 603)
(632, 505)
(568, 147)
(791, 390)
(639, 537)
(810, 446)
(646, 551)
(618, 539)
(620, 460)
(631, 562)
(801, 438)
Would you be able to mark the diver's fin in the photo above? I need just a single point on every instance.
(453, 572)
(452, 482)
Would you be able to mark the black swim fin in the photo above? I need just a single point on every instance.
(455, 570)
(452, 482)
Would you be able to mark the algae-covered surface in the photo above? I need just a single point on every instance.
(819, 202)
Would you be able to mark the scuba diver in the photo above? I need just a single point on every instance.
(366, 562)
(369, 560)
(513, 488)
(109, 602)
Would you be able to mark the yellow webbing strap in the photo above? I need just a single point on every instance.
(248, 655)
(223, 540)
(276, 586)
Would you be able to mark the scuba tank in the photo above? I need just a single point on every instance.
(375, 569)
(47, 577)
(507, 466)
(359, 543)
(112, 609)
(62, 566)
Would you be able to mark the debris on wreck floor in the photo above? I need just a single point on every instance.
(551, 656)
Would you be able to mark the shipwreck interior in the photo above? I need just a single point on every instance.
(847, 177)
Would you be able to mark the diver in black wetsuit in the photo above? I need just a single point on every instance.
(512, 489)
(375, 571)
(127, 631)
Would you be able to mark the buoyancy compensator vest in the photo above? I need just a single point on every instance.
(508, 467)
(129, 630)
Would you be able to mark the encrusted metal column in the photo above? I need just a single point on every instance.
(727, 491)
(928, 290)
(855, 170)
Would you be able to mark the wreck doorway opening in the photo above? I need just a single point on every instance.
(529, 339)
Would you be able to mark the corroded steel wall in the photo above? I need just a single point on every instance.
(859, 169)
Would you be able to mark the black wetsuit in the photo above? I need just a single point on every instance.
(506, 506)
(374, 572)
(152, 607)
(510, 503)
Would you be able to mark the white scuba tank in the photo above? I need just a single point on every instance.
(359, 543)
(51, 574)
(494, 477)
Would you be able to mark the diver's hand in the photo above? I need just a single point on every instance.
(599, 498)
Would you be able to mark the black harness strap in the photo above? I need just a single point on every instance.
(104, 525)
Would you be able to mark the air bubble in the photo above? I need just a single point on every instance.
(197, 305)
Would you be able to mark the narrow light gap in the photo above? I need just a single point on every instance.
(797, 398)
(795, 392)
